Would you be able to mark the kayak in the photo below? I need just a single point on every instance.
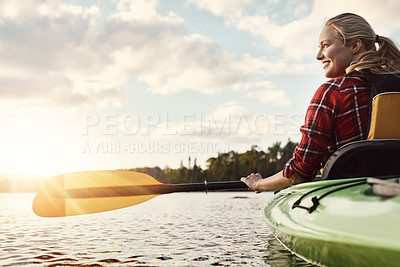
(337, 223)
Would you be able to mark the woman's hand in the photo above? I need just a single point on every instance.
(252, 181)
(273, 183)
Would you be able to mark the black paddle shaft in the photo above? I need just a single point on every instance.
(138, 190)
(206, 186)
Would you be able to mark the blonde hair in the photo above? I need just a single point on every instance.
(350, 27)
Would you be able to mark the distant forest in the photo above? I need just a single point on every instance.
(228, 166)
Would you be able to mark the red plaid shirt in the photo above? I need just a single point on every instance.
(338, 114)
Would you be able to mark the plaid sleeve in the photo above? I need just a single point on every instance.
(316, 132)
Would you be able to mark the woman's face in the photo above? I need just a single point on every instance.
(335, 57)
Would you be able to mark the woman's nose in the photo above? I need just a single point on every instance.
(319, 55)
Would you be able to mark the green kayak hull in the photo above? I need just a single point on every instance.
(349, 227)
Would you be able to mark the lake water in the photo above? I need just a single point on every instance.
(181, 229)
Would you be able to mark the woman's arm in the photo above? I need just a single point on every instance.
(316, 132)
(273, 183)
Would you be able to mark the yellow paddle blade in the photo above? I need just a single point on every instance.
(52, 199)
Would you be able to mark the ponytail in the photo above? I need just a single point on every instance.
(385, 59)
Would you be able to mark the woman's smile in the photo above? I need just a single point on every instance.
(325, 63)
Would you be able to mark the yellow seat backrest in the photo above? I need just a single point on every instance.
(385, 116)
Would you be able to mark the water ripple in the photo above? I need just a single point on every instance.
(217, 229)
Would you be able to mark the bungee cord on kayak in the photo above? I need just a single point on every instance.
(316, 200)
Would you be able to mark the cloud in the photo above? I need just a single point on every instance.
(297, 37)
(286, 28)
(138, 9)
(161, 53)
(269, 95)
(170, 60)
(61, 54)
(293, 38)
(230, 122)
(47, 57)
(222, 7)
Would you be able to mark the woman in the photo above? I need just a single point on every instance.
(338, 112)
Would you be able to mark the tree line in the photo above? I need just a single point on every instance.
(228, 166)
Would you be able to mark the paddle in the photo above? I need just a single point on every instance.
(97, 191)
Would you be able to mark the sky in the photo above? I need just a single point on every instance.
(116, 84)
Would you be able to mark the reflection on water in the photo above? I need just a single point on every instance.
(182, 229)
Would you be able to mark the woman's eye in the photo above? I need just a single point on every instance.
(323, 46)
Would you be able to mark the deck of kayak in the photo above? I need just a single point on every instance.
(349, 227)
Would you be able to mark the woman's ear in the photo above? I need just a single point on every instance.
(356, 46)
